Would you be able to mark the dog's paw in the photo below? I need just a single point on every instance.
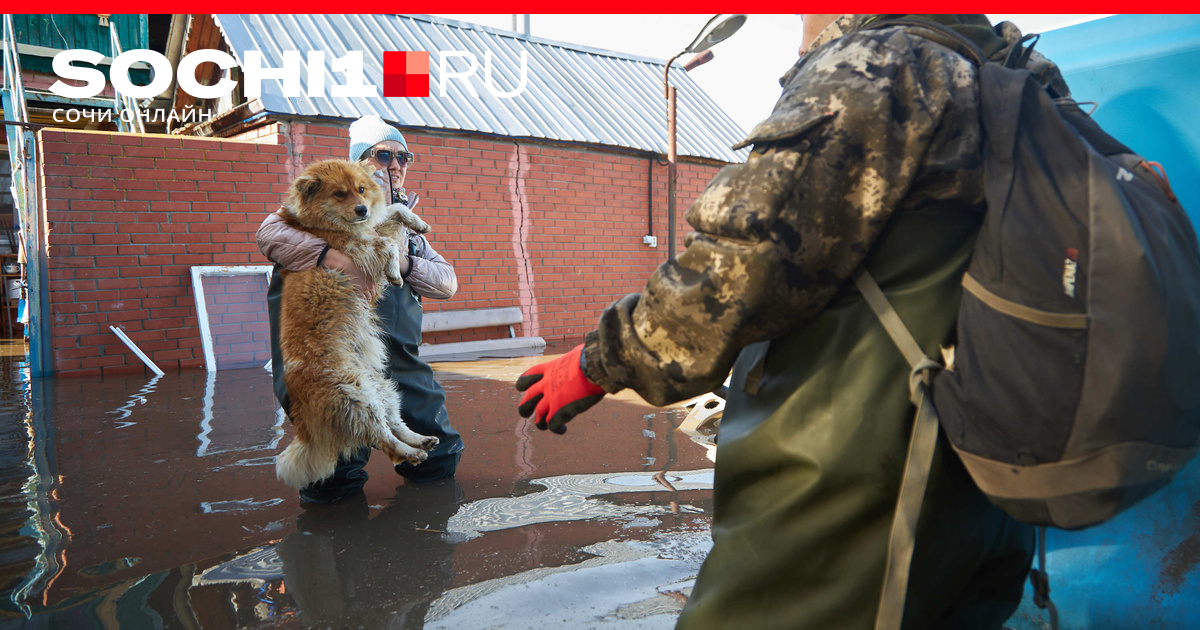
(415, 224)
(409, 219)
(417, 457)
(429, 443)
(393, 273)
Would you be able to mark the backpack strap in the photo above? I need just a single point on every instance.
(1041, 581)
(889, 318)
(1017, 57)
(1019, 54)
(902, 540)
(936, 32)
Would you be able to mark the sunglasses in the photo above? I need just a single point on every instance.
(384, 157)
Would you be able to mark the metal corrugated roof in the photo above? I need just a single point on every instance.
(574, 93)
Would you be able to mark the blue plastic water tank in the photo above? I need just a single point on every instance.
(1143, 72)
(1142, 569)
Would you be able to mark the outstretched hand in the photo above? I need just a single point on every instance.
(556, 391)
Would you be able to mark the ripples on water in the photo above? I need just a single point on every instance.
(139, 502)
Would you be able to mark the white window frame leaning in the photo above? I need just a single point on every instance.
(198, 273)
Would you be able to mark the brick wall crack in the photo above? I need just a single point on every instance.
(518, 168)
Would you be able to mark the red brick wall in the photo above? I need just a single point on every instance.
(563, 224)
(556, 230)
(129, 215)
(237, 320)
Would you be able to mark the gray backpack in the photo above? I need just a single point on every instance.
(1071, 393)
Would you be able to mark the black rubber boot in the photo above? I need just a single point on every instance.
(432, 469)
(347, 480)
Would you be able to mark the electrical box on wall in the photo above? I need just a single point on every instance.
(652, 241)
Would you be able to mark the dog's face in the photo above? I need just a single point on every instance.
(336, 195)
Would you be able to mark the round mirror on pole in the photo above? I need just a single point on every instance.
(716, 31)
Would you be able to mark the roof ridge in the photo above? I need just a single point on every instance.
(580, 94)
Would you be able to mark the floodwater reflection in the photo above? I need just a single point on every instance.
(132, 501)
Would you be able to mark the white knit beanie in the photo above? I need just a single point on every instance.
(368, 131)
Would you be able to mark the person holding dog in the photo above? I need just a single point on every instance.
(426, 275)
(871, 158)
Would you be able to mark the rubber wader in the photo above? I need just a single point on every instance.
(811, 452)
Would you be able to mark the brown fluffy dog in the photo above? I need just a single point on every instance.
(333, 352)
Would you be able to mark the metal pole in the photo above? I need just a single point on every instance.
(521, 23)
(650, 194)
(671, 171)
(124, 102)
(22, 151)
(669, 94)
(37, 248)
(720, 33)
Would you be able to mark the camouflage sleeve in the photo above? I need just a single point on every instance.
(777, 237)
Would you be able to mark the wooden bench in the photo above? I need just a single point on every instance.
(512, 346)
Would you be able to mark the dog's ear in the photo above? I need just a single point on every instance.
(366, 167)
(307, 186)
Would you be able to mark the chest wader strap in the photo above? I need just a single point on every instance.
(920, 457)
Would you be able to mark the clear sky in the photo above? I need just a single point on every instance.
(743, 76)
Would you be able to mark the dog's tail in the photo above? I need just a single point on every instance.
(300, 464)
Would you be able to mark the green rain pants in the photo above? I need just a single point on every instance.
(811, 453)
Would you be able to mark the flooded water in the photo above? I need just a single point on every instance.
(136, 502)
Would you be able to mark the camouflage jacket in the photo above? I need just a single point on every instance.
(871, 122)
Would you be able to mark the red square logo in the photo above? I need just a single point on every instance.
(405, 73)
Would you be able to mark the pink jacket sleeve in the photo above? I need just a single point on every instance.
(287, 246)
(431, 275)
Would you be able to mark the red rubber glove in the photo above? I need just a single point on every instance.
(556, 391)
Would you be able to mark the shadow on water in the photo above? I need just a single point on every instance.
(151, 502)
